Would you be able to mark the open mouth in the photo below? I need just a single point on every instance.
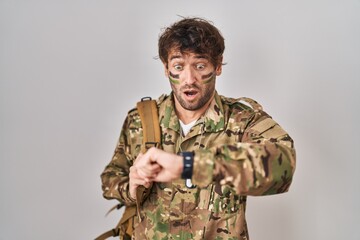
(190, 93)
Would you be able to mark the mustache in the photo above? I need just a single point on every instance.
(190, 86)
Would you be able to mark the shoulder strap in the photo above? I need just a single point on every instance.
(148, 112)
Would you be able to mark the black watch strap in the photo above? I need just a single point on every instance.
(188, 160)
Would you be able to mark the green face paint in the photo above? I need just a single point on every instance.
(173, 81)
(173, 78)
(208, 78)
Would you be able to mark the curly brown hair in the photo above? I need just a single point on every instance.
(195, 35)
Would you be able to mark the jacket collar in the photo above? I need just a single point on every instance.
(213, 119)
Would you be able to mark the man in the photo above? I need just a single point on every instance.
(214, 151)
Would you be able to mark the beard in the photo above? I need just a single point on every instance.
(205, 94)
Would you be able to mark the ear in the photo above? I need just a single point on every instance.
(218, 69)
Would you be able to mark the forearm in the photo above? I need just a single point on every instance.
(251, 169)
(115, 184)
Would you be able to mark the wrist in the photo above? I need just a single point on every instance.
(188, 164)
(131, 193)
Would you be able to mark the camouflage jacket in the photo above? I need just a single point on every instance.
(238, 151)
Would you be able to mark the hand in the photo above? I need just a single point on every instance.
(136, 179)
(155, 165)
(146, 168)
(171, 165)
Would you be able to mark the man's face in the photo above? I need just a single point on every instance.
(192, 78)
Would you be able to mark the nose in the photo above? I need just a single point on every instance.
(189, 76)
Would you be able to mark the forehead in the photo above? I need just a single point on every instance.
(175, 54)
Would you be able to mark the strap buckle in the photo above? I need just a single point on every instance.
(115, 232)
(148, 145)
(145, 99)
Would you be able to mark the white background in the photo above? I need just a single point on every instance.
(70, 71)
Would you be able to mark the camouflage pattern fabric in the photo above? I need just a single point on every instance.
(239, 151)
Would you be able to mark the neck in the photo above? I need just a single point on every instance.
(187, 116)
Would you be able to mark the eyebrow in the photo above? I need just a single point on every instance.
(196, 56)
(175, 57)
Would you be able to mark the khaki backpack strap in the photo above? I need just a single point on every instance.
(125, 221)
(148, 112)
(129, 213)
(111, 233)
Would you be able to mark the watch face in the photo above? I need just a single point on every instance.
(189, 184)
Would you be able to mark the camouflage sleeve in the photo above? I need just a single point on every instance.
(115, 177)
(261, 163)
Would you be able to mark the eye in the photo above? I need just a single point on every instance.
(200, 66)
(178, 67)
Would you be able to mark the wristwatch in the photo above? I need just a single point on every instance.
(188, 160)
